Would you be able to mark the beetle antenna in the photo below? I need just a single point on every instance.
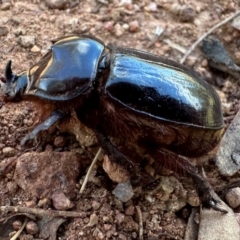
(8, 72)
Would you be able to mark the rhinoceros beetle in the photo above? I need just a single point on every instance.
(159, 105)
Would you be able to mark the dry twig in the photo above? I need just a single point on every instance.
(40, 212)
(90, 170)
(139, 212)
(206, 34)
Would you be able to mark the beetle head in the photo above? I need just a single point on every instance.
(14, 85)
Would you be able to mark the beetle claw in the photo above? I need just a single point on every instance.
(213, 204)
(206, 194)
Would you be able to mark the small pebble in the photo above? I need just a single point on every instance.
(118, 30)
(32, 228)
(184, 12)
(60, 201)
(204, 63)
(5, 6)
(3, 31)
(236, 23)
(86, 220)
(43, 202)
(226, 107)
(134, 235)
(35, 49)
(129, 210)
(95, 205)
(107, 226)
(27, 41)
(119, 218)
(52, 19)
(193, 199)
(93, 220)
(125, 2)
(187, 14)
(16, 19)
(72, 23)
(237, 54)
(59, 141)
(134, 26)
(109, 25)
(17, 225)
(30, 204)
(233, 197)
(97, 234)
(152, 7)
(122, 237)
(191, 61)
(106, 219)
(57, 4)
(9, 175)
(49, 148)
(125, 26)
(100, 235)
(8, 151)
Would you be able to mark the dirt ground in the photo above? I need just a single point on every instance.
(50, 176)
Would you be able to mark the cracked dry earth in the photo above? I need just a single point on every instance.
(49, 176)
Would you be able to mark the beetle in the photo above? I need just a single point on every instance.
(161, 106)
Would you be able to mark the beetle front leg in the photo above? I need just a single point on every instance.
(182, 166)
(52, 119)
(113, 153)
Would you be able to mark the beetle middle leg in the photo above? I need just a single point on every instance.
(182, 166)
(113, 153)
(52, 119)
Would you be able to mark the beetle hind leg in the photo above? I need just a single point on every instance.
(182, 166)
(52, 119)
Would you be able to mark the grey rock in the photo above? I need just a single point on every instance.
(216, 225)
(27, 41)
(123, 191)
(228, 155)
